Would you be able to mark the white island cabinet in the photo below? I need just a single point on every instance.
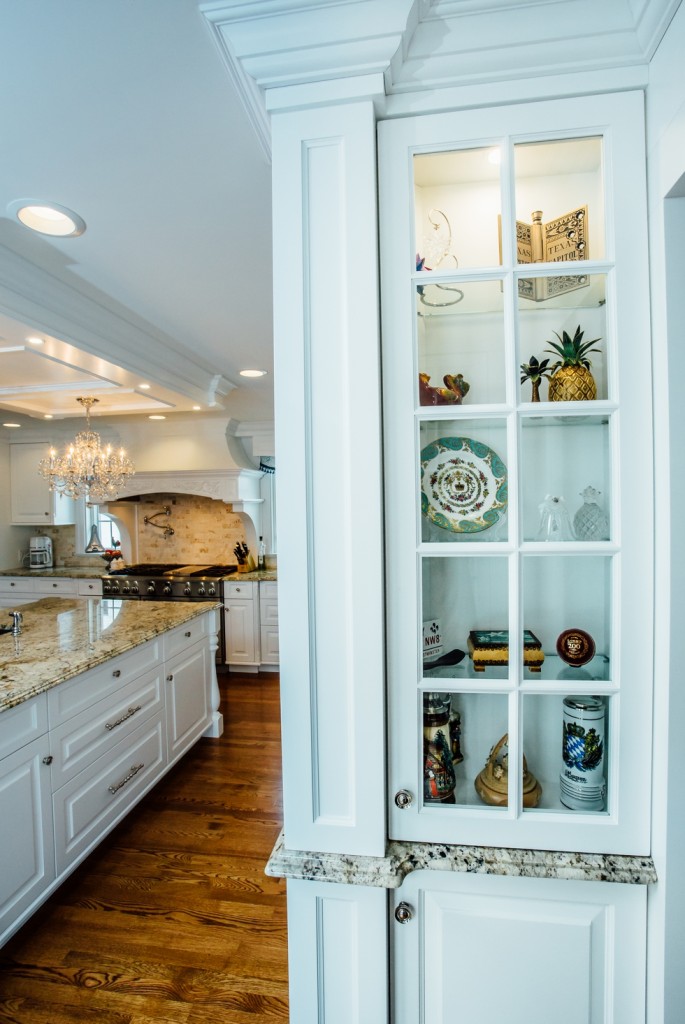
(76, 758)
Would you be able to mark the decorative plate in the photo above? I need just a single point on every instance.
(463, 485)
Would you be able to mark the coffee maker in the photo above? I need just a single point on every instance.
(40, 553)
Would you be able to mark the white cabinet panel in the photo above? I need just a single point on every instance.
(31, 500)
(528, 951)
(28, 861)
(241, 634)
(187, 698)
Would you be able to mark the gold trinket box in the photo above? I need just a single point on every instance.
(490, 647)
(492, 784)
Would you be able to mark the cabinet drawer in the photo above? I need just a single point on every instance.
(81, 692)
(268, 592)
(50, 587)
(183, 637)
(20, 585)
(90, 588)
(81, 740)
(240, 591)
(23, 723)
(92, 802)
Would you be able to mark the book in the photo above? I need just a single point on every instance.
(561, 240)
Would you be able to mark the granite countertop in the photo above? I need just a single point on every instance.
(69, 572)
(62, 637)
(401, 858)
(257, 576)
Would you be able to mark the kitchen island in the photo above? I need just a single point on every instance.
(98, 699)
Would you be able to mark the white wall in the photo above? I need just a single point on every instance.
(666, 166)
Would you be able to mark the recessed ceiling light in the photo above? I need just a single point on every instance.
(156, 417)
(144, 387)
(253, 373)
(47, 415)
(47, 218)
(11, 424)
(196, 408)
(34, 340)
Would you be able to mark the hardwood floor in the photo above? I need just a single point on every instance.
(172, 920)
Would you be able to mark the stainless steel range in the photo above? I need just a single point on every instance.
(150, 582)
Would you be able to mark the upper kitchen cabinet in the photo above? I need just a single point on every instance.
(32, 502)
(516, 367)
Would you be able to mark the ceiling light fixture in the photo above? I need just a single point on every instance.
(144, 387)
(156, 416)
(34, 340)
(196, 408)
(48, 218)
(85, 468)
(47, 415)
(12, 425)
(253, 373)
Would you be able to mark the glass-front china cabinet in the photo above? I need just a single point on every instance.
(516, 371)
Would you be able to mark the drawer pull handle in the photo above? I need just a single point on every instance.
(129, 714)
(189, 632)
(135, 768)
(116, 673)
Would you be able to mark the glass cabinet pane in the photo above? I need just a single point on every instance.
(463, 480)
(565, 469)
(566, 745)
(559, 201)
(565, 327)
(567, 605)
(460, 732)
(457, 202)
(461, 597)
(460, 342)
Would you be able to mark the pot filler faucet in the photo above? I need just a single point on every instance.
(166, 511)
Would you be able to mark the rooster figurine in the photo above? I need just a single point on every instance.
(452, 394)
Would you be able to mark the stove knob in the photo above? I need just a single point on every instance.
(212, 591)
(134, 588)
(106, 588)
(151, 587)
(201, 590)
(125, 589)
(187, 590)
(115, 588)
(166, 589)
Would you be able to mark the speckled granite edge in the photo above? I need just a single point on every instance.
(66, 572)
(402, 858)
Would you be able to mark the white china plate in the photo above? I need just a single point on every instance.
(463, 484)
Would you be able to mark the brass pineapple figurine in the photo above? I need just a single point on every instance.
(572, 379)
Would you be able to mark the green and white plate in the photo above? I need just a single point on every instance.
(463, 485)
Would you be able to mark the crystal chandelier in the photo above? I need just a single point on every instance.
(85, 467)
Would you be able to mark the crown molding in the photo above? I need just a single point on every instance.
(428, 45)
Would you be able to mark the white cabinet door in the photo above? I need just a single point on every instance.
(268, 623)
(188, 709)
(521, 950)
(514, 536)
(241, 634)
(28, 860)
(31, 501)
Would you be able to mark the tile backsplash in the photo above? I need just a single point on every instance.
(205, 530)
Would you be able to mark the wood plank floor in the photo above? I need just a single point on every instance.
(172, 920)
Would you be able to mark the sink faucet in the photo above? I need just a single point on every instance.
(17, 620)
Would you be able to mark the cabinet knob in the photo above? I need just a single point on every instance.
(47, 759)
(116, 673)
(169, 678)
(188, 632)
(54, 584)
(403, 798)
(404, 913)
